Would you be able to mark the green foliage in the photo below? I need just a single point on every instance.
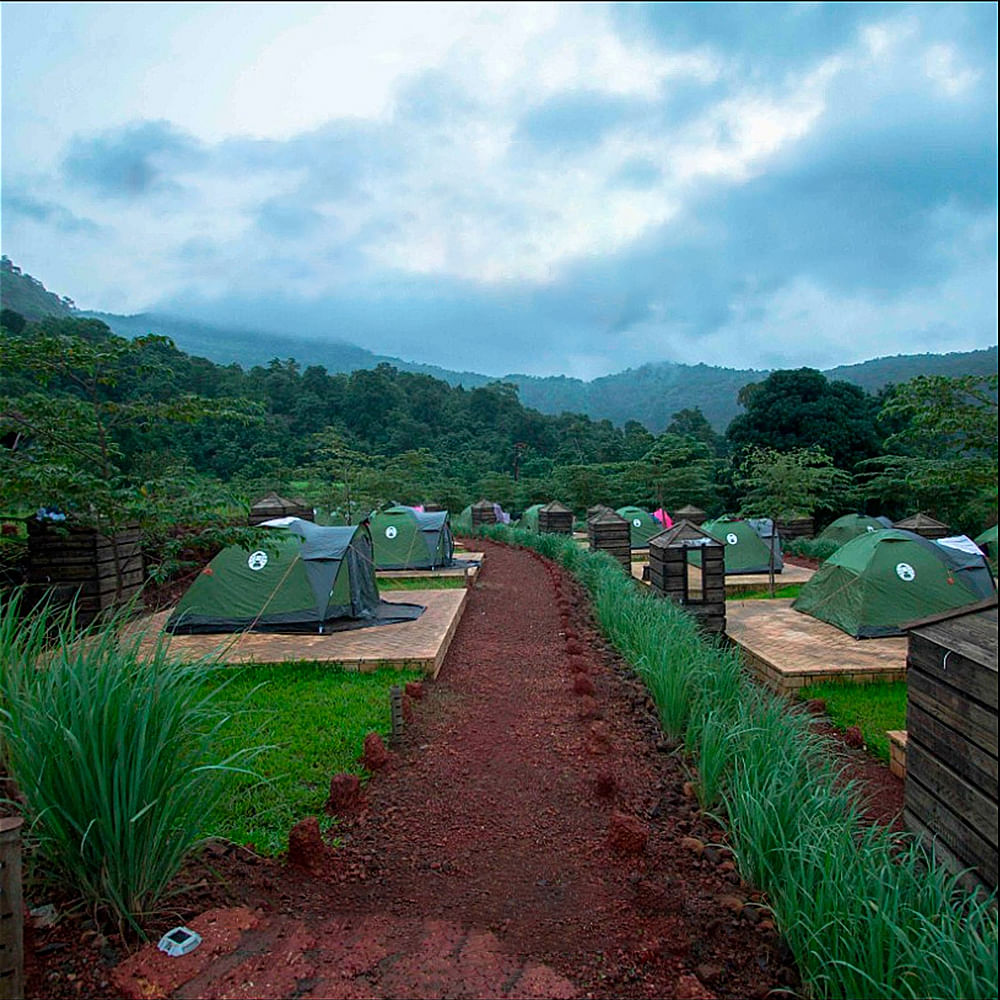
(875, 709)
(785, 484)
(314, 719)
(801, 409)
(677, 470)
(112, 745)
(941, 452)
(23, 295)
(81, 405)
(810, 548)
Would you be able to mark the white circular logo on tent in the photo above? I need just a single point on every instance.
(636, 522)
(390, 532)
(732, 538)
(257, 560)
(869, 527)
(905, 572)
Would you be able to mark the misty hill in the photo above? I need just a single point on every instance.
(226, 345)
(650, 394)
(28, 296)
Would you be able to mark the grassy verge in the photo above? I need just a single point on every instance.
(789, 590)
(873, 708)
(312, 719)
(421, 583)
(863, 912)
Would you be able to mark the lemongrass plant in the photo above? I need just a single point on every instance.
(112, 745)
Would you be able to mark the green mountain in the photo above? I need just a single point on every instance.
(26, 295)
(651, 394)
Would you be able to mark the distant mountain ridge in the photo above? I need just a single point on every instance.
(650, 394)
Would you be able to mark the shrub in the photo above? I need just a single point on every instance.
(110, 743)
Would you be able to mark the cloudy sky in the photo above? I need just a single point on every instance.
(550, 188)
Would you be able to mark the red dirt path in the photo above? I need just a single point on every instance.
(524, 841)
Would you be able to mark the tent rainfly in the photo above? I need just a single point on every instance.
(305, 578)
(405, 538)
(746, 551)
(987, 542)
(642, 525)
(882, 579)
(529, 519)
(850, 526)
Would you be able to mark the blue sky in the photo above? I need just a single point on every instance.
(550, 188)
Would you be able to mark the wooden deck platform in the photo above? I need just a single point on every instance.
(417, 645)
(737, 583)
(470, 573)
(788, 650)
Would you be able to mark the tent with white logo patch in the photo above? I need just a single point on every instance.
(642, 526)
(746, 551)
(303, 578)
(882, 579)
(405, 538)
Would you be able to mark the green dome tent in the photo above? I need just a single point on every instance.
(405, 538)
(850, 526)
(987, 541)
(746, 551)
(882, 579)
(642, 526)
(529, 519)
(305, 578)
(463, 522)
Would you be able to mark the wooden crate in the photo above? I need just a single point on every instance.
(555, 518)
(796, 527)
(690, 513)
(924, 525)
(271, 506)
(67, 562)
(611, 533)
(669, 573)
(483, 513)
(951, 746)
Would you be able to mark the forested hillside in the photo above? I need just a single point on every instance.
(92, 422)
(650, 394)
(27, 296)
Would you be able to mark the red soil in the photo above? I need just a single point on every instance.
(527, 841)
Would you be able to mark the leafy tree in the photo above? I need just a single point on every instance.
(677, 469)
(691, 422)
(801, 409)
(941, 454)
(69, 417)
(792, 483)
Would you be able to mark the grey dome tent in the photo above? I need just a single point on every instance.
(305, 578)
(405, 538)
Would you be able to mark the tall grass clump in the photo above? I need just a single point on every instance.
(865, 911)
(110, 742)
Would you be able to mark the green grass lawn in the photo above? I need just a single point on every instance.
(421, 583)
(789, 590)
(313, 720)
(873, 708)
